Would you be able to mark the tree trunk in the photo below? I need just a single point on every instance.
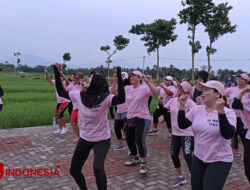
(157, 65)
(193, 38)
(208, 60)
(108, 66)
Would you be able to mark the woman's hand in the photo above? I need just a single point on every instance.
(220, 103)
(182, 101)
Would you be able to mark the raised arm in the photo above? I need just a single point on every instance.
(48, 78)
(151, 86)
(120, 98)
(59, 87)
(183, 122)
(226, 129)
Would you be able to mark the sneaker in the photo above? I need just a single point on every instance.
(116, 148)
(153, 132)
(237, 154)
(143, 167)
(129, 153)
(64, 130)
(132, 161)
(57, 131)
(178, 181)
(169, 135)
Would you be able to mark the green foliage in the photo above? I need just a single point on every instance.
(157, 34)
(120, 43)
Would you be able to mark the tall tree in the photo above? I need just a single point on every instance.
(157, 34)
(217, 24)
(18, 60)
(120, 43)
(192, 15)
(66, 57)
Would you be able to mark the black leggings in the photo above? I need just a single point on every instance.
(160, 110)
(119, 126)
(137, 136)
(80, 156)
(111, 111)
(187, 145)
(1, 107)
(239, 131)
(209, 176)
(70, 108)
(247, 158)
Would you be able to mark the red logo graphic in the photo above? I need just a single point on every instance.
(1, 170)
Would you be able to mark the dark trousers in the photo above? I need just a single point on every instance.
(187, 145)
(247, 159)
(136, 135)
(119, 126)
(209, 176)
(239, 131)
(70, 108)
(80, 156)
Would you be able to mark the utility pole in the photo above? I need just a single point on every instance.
(143, 63)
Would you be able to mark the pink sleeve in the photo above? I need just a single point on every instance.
(190, 114)
(227, 92)
(53, 82)
(246, 102)
(192, 104)
(73, 95)
(158, 88)
(108, 100)
(168, 104)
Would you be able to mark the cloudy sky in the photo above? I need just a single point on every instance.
(49, 28)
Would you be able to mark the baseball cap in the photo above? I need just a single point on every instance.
(186, 86)
(138, 73)
(244, 76)
(169, 78)
(215, 85)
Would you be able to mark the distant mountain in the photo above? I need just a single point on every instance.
(30, 60)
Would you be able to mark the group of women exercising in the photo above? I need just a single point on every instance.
(200, 120)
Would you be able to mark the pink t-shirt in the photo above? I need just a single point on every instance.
(121, 108)
(166, 97)
(1, 102)
(93, 122)
(245, 113)
(74, 87)
(209, 145)
(137, 100)
(59, 98)
(231, 93)
(173, 106)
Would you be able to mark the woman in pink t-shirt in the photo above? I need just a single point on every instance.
(167, 91)
(61, 106)
(75, 86)
(138, 118)
(242, 102)
(93, 123)
(213, 127)
(121, 114)
(231, 93)
(180, 138)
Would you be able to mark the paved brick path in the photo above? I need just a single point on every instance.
(38, 147)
